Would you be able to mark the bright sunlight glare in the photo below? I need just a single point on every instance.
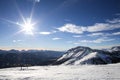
(28, 27)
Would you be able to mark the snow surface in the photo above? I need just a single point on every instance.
(84, 72)
(92, 55)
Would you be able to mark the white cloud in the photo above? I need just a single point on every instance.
(112, 24)
(96, 34)
(54, 31)
(45, 33)
(102, 40)
(104, 34)
(116, 33)
(102, 27)
(98, 27)
(86, 41)
(56, 38)
(99, 40)
(72, 28)
(116, 20)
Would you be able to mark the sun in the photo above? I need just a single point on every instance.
(28, 27)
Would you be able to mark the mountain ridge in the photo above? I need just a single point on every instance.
(86, 55)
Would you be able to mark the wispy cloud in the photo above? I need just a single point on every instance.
(17, 41)
(118, 14)
(96, 34)
(102, 27)
(45, 33)
(56, 38)
(72, 28)
(116, 20)
(37, 0)
(116, 33)
(104, 34)
(109, 25)
(76, 36)
(99, 40)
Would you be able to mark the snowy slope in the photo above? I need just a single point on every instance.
(94, 58)
(74, 54)
(86, 55)
(116, 48)
(85, 72)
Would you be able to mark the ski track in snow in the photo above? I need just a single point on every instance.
(84, 72)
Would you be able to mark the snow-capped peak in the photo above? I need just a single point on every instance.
(86, 55)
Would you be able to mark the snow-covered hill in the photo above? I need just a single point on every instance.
(85, 72)
(86, 55)
(116, 48)
(112, 49)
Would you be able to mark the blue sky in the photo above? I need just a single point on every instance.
(59, 24)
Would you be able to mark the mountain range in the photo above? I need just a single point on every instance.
(16, 58)
(79, 55)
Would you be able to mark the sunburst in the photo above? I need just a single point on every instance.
(28, 25)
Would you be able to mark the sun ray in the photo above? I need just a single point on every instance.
(9, 21)
(32, 10)
(20, 13)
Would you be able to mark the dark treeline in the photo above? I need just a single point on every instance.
(15, 58)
